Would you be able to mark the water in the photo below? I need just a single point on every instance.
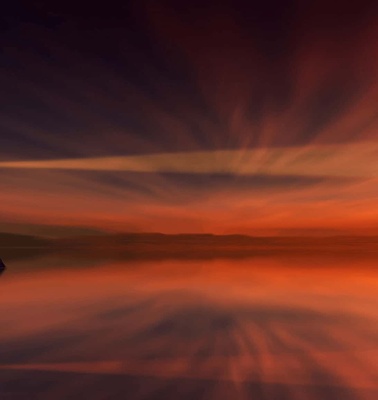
(257, 328)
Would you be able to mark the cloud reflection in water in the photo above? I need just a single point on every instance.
(262, 328)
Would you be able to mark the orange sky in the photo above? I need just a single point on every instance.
(228, 118)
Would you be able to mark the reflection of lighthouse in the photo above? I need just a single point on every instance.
(2, 266)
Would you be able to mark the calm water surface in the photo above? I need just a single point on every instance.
(259, 328)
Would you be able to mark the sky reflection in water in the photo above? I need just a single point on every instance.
(262, 328)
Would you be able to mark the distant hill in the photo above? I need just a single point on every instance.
(10, 240)
(49, 231)
(157, 245)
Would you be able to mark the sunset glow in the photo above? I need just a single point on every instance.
(189, 200)
(217, 123)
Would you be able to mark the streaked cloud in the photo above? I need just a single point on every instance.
(174, 117)
(348, 160)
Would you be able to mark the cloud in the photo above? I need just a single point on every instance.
(348, 160)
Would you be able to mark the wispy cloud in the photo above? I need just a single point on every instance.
(348, 160)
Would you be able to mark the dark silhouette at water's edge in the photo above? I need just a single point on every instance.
(186, 246)
(2, 266)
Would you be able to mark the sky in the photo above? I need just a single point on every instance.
(202, 116)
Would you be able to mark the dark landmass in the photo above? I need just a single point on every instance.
(12, 240)
(158, 246)
(48, 231)
(14, 246)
